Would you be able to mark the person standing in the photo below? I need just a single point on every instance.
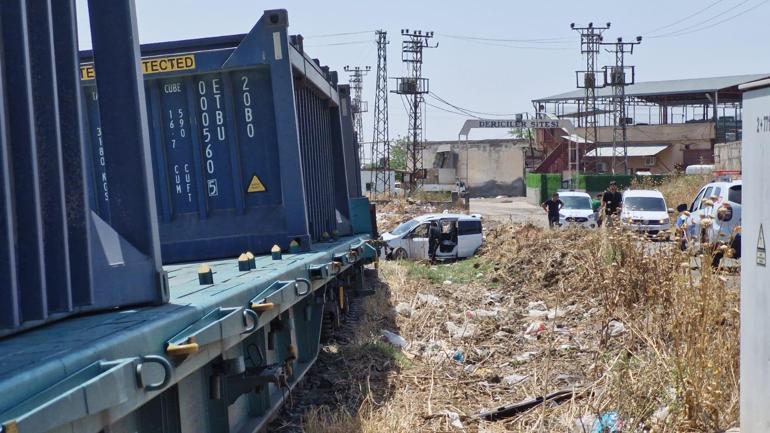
(552, 206)
(434, 233)
(596, 206)
(611, 202)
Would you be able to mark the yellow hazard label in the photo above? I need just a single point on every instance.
(256, 185)
(154, 65)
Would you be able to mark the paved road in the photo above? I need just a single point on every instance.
(509, 209)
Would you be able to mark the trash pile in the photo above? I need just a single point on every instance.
(393, 212)
(567, 331)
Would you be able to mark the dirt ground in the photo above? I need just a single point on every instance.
(616, 333)
(636, 341)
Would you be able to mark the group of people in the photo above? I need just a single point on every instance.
(606, 206)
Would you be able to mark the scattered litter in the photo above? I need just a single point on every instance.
(459, 357)
(404, 309)
(460, 331)
(568, 379)
(454, 419)
(470, 314)
(504, 412)
(513, 379)
(608, 422)
(447, 282)
(394, 338)
(661, 414)
(537, 314)
(584, 424)
(502, 335)
(524, 357)
(537, 305)
(428, 299)
(616, 328)
(535, 328)
(485, 313)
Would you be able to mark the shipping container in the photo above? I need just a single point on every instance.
(237, 334)
(755, 278)
(55, 258)
(250, 144)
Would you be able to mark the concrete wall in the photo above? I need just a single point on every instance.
(496, 166)
(727, 156)
(368, 177)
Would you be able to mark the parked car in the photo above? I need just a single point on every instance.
(645, 211)
(715, 218)
(577, 210)
(460, 237)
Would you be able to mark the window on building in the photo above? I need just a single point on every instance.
(649, 161)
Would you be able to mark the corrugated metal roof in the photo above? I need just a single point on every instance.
(606, 152)
(668, 87)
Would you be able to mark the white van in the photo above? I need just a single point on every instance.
(460, 237)
(577, 210)
(645, 211)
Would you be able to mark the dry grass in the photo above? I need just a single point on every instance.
(676, 189)
(674, 369)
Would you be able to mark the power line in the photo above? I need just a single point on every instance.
(516, 47)
(332, 35)
(697, 27)
(467, 110)
(451, 111)
(730, 18)
(341, 43)
(696, 13)
(529, 41)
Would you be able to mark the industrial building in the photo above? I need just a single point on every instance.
(487, 167)
(670, 124)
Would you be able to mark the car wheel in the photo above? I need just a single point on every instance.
(400, 254)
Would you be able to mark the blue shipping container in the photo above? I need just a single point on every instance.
(55, 258)
(250, 146)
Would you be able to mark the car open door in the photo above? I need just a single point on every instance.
(418, 242)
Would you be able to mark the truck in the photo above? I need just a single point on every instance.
(181, 222)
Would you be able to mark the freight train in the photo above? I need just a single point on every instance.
(179, 222)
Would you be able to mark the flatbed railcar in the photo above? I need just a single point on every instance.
(104, 333)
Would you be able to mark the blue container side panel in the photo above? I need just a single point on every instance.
(216, 159)
(100, 195)
(50, 168)
(257, 137)
(9, 296)
(21, 133)
(73, 150)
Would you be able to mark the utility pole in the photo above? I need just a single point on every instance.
(414, 86)
(620, 76)
(588, 79)
(360, 106)
(381, 140)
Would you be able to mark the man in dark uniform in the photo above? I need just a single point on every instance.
(552, 206)
(434, 234)
(611, 202)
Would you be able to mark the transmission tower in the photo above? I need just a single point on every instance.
(381, 140)
(588, 79)
(413, 87)
(360, 106)
(620, 76)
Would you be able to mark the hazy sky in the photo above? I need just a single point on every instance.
(494, 74)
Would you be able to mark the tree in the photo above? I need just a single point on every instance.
(398, 154)
(521, 133)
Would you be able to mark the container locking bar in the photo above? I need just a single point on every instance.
(218, 325)
(277, 294)
(100, 386)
